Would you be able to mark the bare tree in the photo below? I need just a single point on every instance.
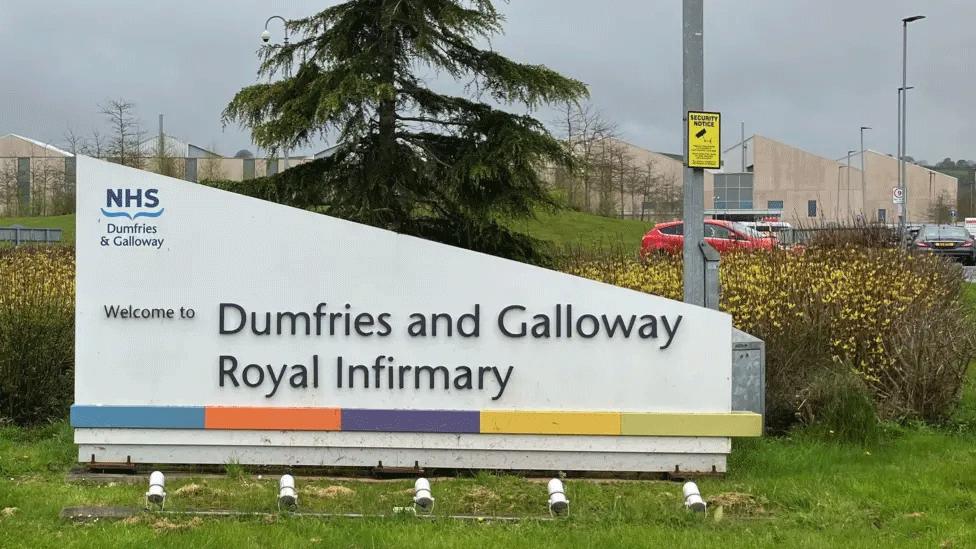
(125, 137)
(10, 203)
(940, 210)
(166, 159)
(73, 142)
(638, 182)
(211, 168)
(585, 133)
(667, 193)
(622, 164)
(95, 145)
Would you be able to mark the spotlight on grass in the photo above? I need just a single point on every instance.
(558, 504)
(693, 499)
(422, 497)
(287, 496)
(157, 493)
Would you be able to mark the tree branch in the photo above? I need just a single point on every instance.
(432, 121)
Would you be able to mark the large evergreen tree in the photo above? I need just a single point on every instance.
(408, 158)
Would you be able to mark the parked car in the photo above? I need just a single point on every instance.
(947, 240)
(721, 235)
(782, 230)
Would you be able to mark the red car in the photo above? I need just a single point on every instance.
(721, 235)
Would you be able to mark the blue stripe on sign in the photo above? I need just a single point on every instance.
(138, 417)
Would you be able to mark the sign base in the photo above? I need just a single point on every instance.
(428, 450)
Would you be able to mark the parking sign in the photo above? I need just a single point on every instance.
(897, 195)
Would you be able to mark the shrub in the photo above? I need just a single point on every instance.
(839, 405)
(36, 333)
(896, 318)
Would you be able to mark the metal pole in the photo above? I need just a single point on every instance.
(864, 206)
(743, 142)
(904, 122)
(161, 146)
(904, 116)
(901, 212)
(837, 201)
(693, 60)
(849, 184)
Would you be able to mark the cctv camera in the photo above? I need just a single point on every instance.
(265, 36)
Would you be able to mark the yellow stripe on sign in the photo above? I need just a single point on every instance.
(734, 424)
(551, 423)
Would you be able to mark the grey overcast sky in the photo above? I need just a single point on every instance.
(806, 72)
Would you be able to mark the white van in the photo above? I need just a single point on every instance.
(779, 229)
(970, 224)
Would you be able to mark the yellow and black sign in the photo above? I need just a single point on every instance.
(704, 140)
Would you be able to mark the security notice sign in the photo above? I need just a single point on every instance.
(214, 327)
(704, 140)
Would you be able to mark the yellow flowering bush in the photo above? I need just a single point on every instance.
(37, 293)
(891, 318)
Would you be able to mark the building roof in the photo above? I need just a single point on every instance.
(176, 146)
(40, 144)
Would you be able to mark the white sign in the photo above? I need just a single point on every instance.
(224, 327)
(970, 224)
(897, 195)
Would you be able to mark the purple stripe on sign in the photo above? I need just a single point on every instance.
(411, 421)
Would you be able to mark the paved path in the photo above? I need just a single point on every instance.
(969, 273)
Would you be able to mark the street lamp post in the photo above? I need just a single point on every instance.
(849, 153)
(837, 202)
(904, 117)
(901, 207)
(864, 210)
(265, 37)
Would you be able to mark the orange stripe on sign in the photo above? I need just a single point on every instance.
(273, 419)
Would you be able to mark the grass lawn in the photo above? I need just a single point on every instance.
(916, 488)
(565, 228)
(64, 222)
(568, 228)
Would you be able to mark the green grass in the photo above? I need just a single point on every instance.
(566, 228)
(916, 488)
(64, 222)
(969, 296)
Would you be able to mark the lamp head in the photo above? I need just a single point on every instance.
(265, 36)
(912, 18)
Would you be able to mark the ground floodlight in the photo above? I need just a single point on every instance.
(558, 504)
(287, 496)
(422, 497)
(157, 493)
(693, 499)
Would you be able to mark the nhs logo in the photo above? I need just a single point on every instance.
(143, 200)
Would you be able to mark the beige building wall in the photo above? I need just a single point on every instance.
(924, 186)
(796, 177)
(786, 173)
(50, 192)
